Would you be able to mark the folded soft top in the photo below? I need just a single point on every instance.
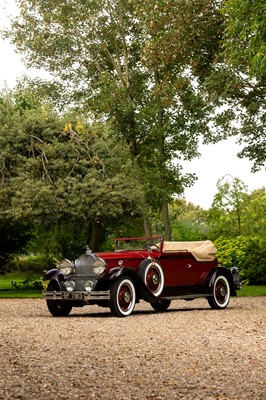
(202, 250)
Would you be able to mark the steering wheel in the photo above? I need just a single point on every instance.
(149, 245)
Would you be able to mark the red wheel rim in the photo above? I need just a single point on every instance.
(153, 279)
(125, 297)
(221, 291)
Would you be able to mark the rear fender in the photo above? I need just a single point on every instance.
(220, 271)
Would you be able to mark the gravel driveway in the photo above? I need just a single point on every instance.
(188, 352)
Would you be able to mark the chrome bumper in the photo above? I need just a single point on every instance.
(64, 295)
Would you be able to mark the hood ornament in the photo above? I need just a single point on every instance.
(87, 249)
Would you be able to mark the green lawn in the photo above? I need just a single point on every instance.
(20, 294)
(252, 290)
(12, 285)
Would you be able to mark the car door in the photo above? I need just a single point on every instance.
(179, 268)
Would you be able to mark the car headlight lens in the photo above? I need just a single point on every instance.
(99, 266)
(88, 286)
(66, 267)
(70, 286)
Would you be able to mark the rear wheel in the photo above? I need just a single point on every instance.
(58, 308)
(122, 297)
(152, 274)
(161, 305)
(221, 293)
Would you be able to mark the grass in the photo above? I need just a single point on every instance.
(11, 285)
(20, 294)
(8, 289)
(252, 290)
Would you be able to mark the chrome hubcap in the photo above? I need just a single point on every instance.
(155, 279)
(127, 297)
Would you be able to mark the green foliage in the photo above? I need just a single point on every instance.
(34, 263)
(238, 76)
(245, 35)
(21, 294)
(13, 236)
(246, 253)
(139, 65)
(61, 172)
(235, 212)
(249, 290)
(20, 285)
(227, 211)
(27, 284)
(189, 222)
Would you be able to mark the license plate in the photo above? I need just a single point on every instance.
(73, 296)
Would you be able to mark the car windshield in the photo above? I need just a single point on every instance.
(138, 243)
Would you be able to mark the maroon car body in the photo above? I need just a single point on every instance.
(149, 269)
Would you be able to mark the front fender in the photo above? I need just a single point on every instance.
(54, 274)
(142, 290)
(220, 271)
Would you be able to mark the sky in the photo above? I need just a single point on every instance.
(216, 161)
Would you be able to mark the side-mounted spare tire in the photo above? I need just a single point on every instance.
(152, 275)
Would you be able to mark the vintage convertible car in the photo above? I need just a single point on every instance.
(149, 269)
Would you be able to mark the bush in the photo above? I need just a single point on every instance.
(29, 284)
(35, 263)
(246, 253)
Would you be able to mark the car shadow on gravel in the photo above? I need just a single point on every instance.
(107, 314)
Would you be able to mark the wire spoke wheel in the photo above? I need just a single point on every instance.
(221, 293)
(122, 297)
(152, 274)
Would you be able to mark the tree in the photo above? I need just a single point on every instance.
(57, 169)
(245, 35)
(247, 253)
(234, 212)
(189, 221)
(140, 65)
(254, 213)
(227, 209)
(238, 77)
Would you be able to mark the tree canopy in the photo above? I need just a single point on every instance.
(56, 168)
(140, 65)
(238, 78)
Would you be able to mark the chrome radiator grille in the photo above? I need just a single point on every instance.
(84, 270)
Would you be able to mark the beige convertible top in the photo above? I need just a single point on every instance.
(202, 251)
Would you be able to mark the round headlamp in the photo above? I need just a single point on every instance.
(99, 266)
(70, 286)
(88, 286)
(66, 267)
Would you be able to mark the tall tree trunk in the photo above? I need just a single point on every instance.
(161, 141)
(96, 235)
(166, 220)
(147, 226)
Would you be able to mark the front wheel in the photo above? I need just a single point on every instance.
(58, 308)
(161, 305)
(220, 293)
(122, 297)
